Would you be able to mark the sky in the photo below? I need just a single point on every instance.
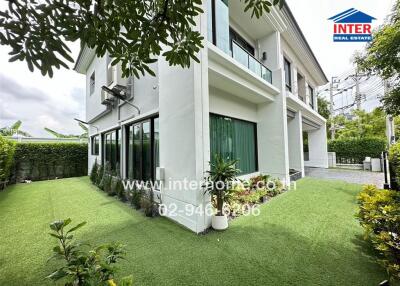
(43, 102)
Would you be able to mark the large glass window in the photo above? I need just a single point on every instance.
(218, 24)
(234, 139)
(112, 148)
(288, 75)
(143, 150)
(95, 145)
(234, 36)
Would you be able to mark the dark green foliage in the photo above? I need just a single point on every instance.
(43, 161)
(84, 267)
(134, 33)
(147, 204)
(136, 198)
(379, 215)
(221, 175)
(100, 174)
(93, 172)
(105, 184)
(7, 149)
(394, 159)
(119, 189)
(323, 108)
(357, 148)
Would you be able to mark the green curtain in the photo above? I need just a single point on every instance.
(234, 139)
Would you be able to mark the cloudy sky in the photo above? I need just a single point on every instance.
(42, 102)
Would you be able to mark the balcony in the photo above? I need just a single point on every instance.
(250, 62)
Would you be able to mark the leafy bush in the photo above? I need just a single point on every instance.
(43, 161)
(136, 198)
(379, 215)
(357, 148)
(93, 172)
(100, 174)
(147, 204)
(7, 149)
(119, 189)
(84, 267)
(394, 159)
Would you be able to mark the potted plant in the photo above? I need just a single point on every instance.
(222, 173)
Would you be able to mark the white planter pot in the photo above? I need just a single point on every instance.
(219, 222)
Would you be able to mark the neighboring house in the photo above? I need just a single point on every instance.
(251, 98)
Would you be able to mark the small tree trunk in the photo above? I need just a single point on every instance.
(220, 204)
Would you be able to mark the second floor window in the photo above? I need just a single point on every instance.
(288, 74)
(311, 92)
(234, 36)
(92, 82)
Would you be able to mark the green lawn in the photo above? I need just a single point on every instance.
(304, 237)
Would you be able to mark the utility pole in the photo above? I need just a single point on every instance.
(332, 86)
(358, 95)
(390, 130)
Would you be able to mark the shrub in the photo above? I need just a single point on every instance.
(84, 267)
(394, 159)
(100, 174)
(136, 197)
(147, 204)
(119, 189)
(43, 161)
(357, 148)
(93, 172)
(7, 149)
(106, 180)
(379, 215)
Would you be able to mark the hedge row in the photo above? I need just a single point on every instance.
(44, 161)
(7, 149)
(356, 149)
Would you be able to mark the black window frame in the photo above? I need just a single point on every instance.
(311, 92)
(92, 82)
(104, 137)
(288, 70)
(95, 145)
(140, 123)
(255, 126)
(235, 36)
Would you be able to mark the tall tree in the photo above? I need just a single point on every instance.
(133, 33)
(14, 129)
(323, 108)
(382, 57)
(60, 135)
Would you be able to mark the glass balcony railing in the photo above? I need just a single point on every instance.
(246, 59)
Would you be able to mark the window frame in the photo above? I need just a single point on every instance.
(241, 41)
(311, 97)
(255, 126)
(288, 79)
(151, 120)
(105, 137)
(95, 145)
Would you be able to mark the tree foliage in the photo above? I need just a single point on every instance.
(382, 57)
(14, 129)
(323, 108)
(133, 33)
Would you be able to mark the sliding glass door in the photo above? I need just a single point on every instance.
(112, 149)
(143, 150)
(234, 139)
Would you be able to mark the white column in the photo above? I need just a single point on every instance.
(295, 140)
(318, 149)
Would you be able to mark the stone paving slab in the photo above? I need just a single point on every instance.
(350, 176)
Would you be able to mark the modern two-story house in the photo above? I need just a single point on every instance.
(252, 97)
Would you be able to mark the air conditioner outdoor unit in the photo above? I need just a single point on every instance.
(106, 98)
(114, 76)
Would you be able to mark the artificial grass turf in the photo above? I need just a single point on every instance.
(307, 236)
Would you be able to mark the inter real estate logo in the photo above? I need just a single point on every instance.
(352, 26)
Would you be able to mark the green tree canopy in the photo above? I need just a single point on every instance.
(14, 129)
(323, 108)
(382, 57)
(133, 33)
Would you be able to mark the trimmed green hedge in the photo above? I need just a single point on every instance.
(356, 149)
(44, 161)
(394, 160)
(7, 149)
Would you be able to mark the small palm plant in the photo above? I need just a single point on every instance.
(221, 175)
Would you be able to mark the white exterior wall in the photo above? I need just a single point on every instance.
(295, 141)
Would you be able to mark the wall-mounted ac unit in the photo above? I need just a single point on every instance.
(106, 98)
(114, 76)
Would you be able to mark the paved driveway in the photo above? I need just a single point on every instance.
(351, 176)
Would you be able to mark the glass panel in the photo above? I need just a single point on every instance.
(209, 21)
(136, 152)
(146, 151)
(156, 144)
(119, 138)
(222, 24)
(240, 55)
(130, 152)
(255, 66)
(234, 139)
(113, 149)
